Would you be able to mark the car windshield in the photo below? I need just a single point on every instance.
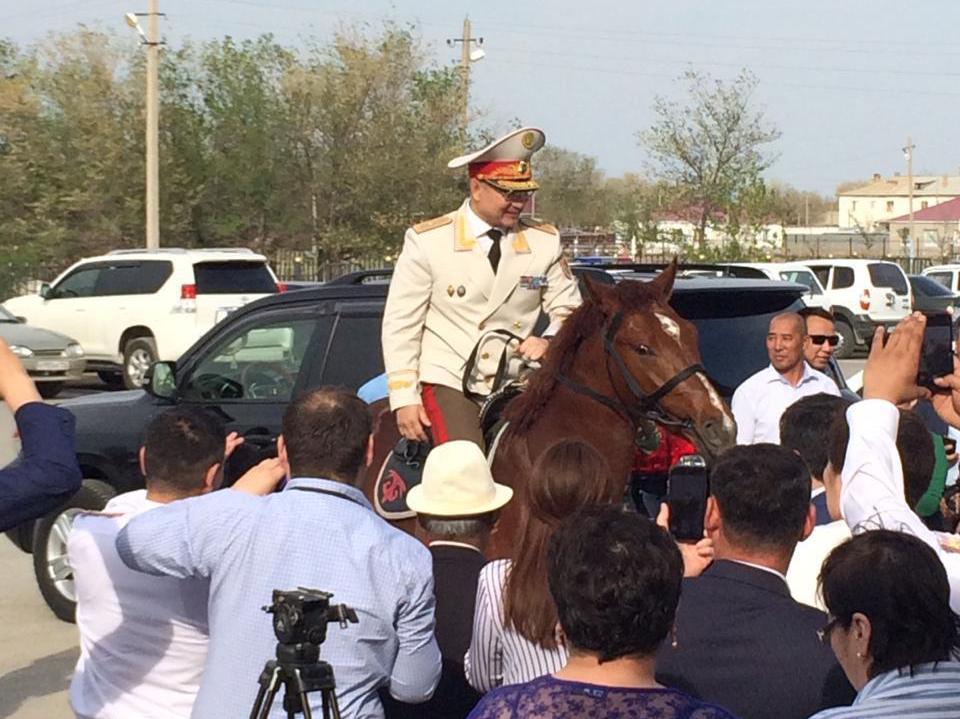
(233, 278)
(802, 277)
(928, 288)
(885, 274)
(5, 315)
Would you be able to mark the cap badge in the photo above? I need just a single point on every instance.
(528, 140)
(523, 167)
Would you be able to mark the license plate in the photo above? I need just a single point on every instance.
(53, 365)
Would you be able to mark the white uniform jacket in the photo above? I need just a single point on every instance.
(444, 299)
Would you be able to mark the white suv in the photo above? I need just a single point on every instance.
(863, 294)
(946, 275)
(130, 308)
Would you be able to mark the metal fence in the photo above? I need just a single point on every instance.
(304, 266)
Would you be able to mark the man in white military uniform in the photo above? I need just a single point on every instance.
(461, 277)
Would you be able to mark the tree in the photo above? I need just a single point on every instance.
(710, 146)
(572, 190)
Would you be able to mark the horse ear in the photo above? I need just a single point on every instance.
(662, 284)
(597, 292)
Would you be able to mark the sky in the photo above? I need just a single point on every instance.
(845, 81)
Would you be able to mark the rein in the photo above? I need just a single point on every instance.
(646, 406)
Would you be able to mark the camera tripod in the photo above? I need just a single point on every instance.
(299, 669)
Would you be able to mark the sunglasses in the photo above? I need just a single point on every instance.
(832, 340)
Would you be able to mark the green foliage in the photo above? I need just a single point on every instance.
(334, 148)
(709, 146)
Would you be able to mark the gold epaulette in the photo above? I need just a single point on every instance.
(542, 226)
(433, 224)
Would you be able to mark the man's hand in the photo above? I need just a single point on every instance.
(232, 441)
(533, 349)
(262, 479)
(697, 556)
(412, 421)
(16, 387)
(891, 369)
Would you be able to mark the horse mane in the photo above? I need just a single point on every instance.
(583, 323)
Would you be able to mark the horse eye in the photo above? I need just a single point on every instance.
(644, 350)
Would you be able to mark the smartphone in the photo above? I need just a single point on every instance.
(687, 489)
(936, 358)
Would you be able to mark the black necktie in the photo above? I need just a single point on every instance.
(494, 254)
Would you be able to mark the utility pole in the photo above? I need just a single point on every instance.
(153, 126)
(467, 56)
(908, 154)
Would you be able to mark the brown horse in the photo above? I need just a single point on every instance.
(620, 362)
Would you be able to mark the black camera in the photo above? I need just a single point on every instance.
(300, 616)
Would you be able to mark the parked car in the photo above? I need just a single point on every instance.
(930, 296)
(50, 358)
(786, 271)
(862, 294)
(248, 367)
(130, 308)
(946, 275)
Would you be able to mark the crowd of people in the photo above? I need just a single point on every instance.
(819, 590)
(826, 585)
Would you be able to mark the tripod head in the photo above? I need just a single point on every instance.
(301, 616)
(300, 619)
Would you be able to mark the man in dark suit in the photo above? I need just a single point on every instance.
(741, 641)
(457, 505)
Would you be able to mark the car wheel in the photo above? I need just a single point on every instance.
(848, 340)
(51, 565)
(138, 355)
(113, 379)
(49, 390)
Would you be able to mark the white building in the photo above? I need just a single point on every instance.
(880, 200)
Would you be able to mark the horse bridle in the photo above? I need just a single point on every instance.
(646, 406)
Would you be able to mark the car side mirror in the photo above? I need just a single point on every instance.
(161, 380)
(45, 292)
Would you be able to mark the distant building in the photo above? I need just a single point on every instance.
(936, 230)
(880, 200)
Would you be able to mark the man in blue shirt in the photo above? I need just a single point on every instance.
(46, 473)
(319, 532)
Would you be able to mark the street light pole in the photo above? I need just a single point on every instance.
(468, 55)
(153, 127)
(908, 154)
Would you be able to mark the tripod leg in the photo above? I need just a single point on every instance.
(268, 683)
(333, 706)
(305, 705)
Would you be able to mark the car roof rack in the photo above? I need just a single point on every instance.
(362, 277)
(184, 250)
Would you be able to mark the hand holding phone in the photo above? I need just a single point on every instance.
(687, 492)
(936, 357)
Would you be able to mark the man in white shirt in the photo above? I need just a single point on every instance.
(871, 480)
(143, 639)
(759, 402)
(805, 429)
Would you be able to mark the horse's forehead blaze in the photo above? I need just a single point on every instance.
(670, 325)
(717, 402)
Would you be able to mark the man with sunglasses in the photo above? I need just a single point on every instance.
(466, 292)
(822, 338)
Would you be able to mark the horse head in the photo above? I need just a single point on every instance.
(653, 361)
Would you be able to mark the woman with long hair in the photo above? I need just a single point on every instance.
(515, 621)
(615, 578)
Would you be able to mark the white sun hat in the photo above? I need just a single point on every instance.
(457, 482)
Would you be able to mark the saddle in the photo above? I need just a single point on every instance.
(403, 467)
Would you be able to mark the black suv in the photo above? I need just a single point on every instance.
(249, 366)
